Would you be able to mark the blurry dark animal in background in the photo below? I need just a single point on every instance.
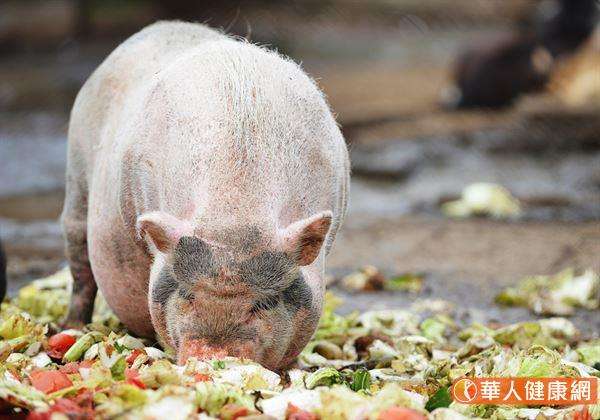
(2, 273)
(494, 74)
(569, 26)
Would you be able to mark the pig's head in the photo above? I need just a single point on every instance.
(241, 292)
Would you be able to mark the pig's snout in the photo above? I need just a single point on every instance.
(203, 350)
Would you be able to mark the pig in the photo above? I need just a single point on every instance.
(206, 181)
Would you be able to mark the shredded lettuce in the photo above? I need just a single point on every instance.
(485, 199)
(326, 376)
(356, 366)
(557, 294)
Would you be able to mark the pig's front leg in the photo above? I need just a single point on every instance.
(84, 285)
(74, 221)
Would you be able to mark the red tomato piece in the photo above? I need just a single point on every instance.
(134, 354)
(584, 414)
(400, 413)
(132, 376)
(201, 377)
(49, 381)
(59, 344)
(232, 412)
(296, 413)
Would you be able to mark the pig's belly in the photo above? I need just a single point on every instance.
(121, 269)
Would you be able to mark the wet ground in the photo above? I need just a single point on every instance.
(408, 156)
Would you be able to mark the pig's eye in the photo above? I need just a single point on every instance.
(265, 304)
(185, 294)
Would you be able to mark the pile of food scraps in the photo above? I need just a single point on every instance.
(557, 294)
(484, 199)
(385, 365)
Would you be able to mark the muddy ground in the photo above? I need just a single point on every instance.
(408, 155)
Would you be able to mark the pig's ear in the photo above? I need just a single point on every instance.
(303, 239)
(162, 230)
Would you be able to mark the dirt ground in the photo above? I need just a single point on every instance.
(408, 155)
(465, 262)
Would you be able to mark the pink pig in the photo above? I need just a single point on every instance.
(206, 181)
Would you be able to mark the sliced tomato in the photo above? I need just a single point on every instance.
(232, 412)
(296, 413)
(202, 377)
(132, 376)
(400, 413)
(134, 354)
(49, 381)
(59, 344)
(584, 414)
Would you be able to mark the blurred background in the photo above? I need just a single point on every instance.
(431, 95)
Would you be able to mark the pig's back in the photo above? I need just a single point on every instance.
(101, 99)
(200, 125)
(244, 132)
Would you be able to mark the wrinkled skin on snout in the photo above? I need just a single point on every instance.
(237, 296)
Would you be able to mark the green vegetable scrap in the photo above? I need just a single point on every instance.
(324, 377)
(77, 350)
(433, 329)
(484, 199)
(589, 353)
(361, 380)
(219, 364)
(369, 278)
(558, 294)
(408, 282)
(212, 397)
(46, 300)
(441, 398)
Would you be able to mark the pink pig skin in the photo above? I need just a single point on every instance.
(184, 132)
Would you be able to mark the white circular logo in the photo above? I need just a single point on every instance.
(464, 390)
